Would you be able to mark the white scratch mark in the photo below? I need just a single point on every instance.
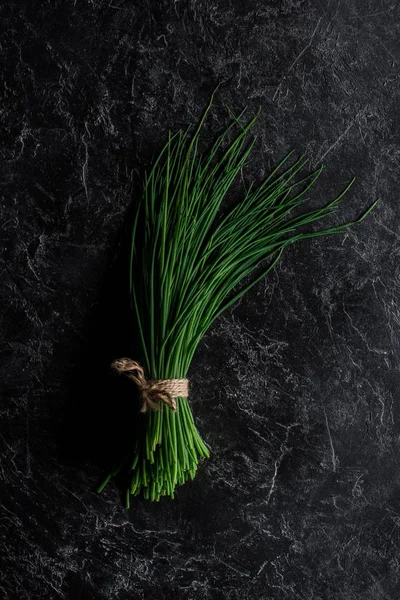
(262, 567)
(283, 451)
(335, 143)
(334, 457)
(86, 163)
(245, 573)
(272, 487)
(296, 60)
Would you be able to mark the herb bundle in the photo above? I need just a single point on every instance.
(188, 257)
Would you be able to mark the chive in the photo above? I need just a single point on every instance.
(135, 461)
(190, 261)
(104, 483)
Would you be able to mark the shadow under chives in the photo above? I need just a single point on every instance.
(101, 416)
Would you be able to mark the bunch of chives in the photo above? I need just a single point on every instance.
(187, 260)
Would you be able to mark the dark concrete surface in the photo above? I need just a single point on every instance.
(296, 388)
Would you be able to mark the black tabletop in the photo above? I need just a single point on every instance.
(295, 388)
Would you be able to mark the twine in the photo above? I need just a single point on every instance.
(152, 392)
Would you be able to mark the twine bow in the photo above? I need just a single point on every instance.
(152, 392)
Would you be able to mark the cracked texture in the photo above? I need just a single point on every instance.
(296, 388)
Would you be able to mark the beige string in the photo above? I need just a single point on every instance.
(152, 392)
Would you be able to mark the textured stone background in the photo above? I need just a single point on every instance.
(296, 389)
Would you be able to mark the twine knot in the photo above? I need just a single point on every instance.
(152, 392)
